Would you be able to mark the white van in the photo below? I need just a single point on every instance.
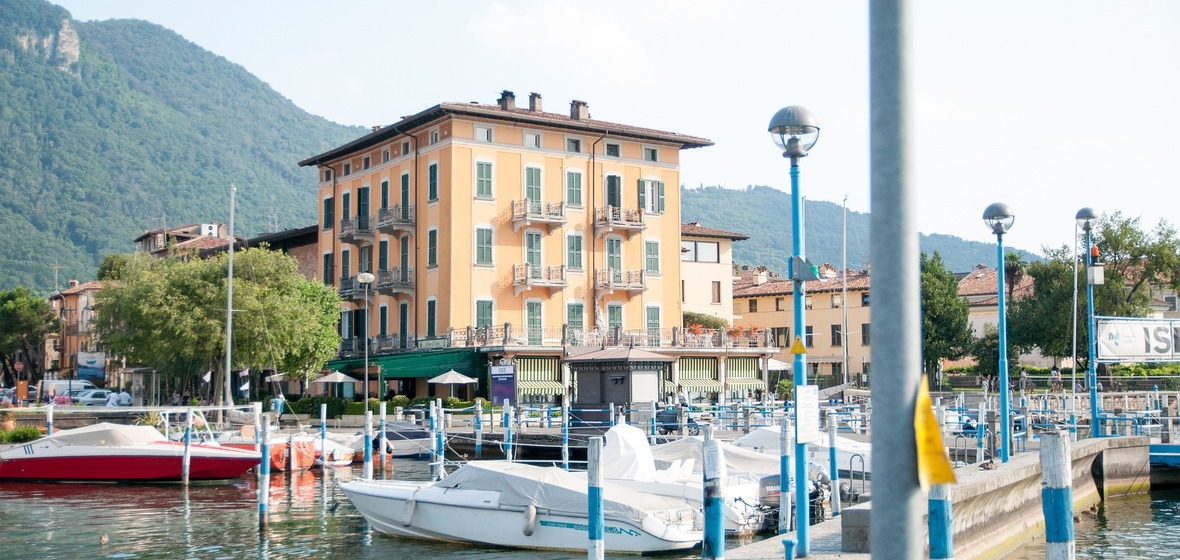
(61, 386)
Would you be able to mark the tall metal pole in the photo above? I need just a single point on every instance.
(1093, 376)
(368, 324)
(802, 506)
(898, 505)
(229, 304)
(1005, 421)
(1073, 376)
(844, 291)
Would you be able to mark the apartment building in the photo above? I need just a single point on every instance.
(527, 235)
(75, 343)
(706, 269)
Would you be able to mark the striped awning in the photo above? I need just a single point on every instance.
(701, 384)
(540, 387)
(745, 384)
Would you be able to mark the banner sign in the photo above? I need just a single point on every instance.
(92, 366)
(503, 381)
(1123, 339)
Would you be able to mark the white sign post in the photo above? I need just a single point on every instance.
(807, 417)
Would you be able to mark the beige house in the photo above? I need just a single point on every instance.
(706, 270)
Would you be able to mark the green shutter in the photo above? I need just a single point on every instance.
(660, 186)
(642, 194)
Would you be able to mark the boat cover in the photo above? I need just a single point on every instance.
(627, 455)
(108, 435)
(737, 460)
(766, 440)
(552, 488)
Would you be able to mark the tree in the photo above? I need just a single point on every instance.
(946, 333)
(112, 266)
(1042, 319)
(25, 322)
(169, 313)
(1014, 267)
(703, 319)
(986, 351)
(1136, 263)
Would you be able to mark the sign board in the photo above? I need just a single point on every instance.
(1138, 340)
(797, 346)
(807, 414)
(92, 366)
(503, 384)
(714, 461)
(433, 343)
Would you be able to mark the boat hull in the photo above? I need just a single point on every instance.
(131, 465)
(282, 458)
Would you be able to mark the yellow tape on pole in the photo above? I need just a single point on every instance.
(934, 466)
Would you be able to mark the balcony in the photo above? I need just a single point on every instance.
(350, 289)
(396, 281)
(612, 280)
(391, 220)
(528, 212)
(357, 229)
(612, 219)
(528, 276)
(390, 343)
(352, 346)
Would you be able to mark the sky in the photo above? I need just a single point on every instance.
(1047, 106)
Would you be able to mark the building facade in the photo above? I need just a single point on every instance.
(525, 234)
(706, 270)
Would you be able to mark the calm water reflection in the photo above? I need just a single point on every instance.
(309, 518)
(1128, 528)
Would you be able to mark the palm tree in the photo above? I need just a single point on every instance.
(1014, 266)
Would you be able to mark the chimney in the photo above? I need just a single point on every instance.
(507, 100)
(73, 283)
(535, 102)
(579, 110)
(761, 277)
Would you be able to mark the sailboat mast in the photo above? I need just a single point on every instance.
(229, 303)
(844, 289)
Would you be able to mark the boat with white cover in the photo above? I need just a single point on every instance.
(852, 457)
(106, 452)
(522, 506)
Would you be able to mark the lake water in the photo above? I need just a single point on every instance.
(1136, 527)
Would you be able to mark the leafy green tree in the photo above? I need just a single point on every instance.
(25, 322)
(703, 319)
(113, 265)
(1014, 267)
(986, 351)
(1136, 262)
(1042, 319)
(169, 313)
(946, 333)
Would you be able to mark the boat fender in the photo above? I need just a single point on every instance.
(408, 514)
(530, 520)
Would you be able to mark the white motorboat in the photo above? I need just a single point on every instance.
(522, 506)
(852, 457)
(628, 461)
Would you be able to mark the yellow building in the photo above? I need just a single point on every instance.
(764, 300)
(524, 233)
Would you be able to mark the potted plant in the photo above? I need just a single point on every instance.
(7, 421)
(696, 329)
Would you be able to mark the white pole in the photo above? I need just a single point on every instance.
(229, 303)
(784, 472)
(1057, 496)
(368, 444)
(596, 521)
(186, 460)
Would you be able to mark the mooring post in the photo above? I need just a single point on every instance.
(1057, 496)
(508, 429)
(442, 439)
(257, 409)
(835, 467)
(264, 476)
(49, 420)
(713, 471)
(652, 423)
(939, 523)
(368, 444)
(789, 549)
(596, 521)
(324, 436)
(381, 456)
(186, 461)
(478, 428)
(784, 480)
(433, 424)
(565, 435)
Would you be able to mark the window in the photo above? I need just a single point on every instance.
(329, 269)
(653, 326)
(533, 322)
(573, 145)
(345, 206)
(614, 191)
(612, 149)
(327, 175)
(483, 179)
(403, 323)
(808, 338)
(779, 303)
(864, 299)
(651, 154)
(483, 246)
(431, 317)
(483, 313)
(405, 196)
(864, 334)
(651, 251)
(532, 140)
(532, 253)
(432, 189)
(837, 337)
(651, 196)
(807, 302)
(837, 301)
(483, 134)
(345, 264)
(432, 248)
(433, 137)
(573, 259)
(782, 336)
(365, 259)
(365, 162)
(573, 188)
(383, 255)
(532, 184)
(385, 155)
(716, 291)
(837, 369)
(405, 147)
(614, 257)
(575, 315)
(347, 169)
(385, 194)
(700, 251)
(753, 305)
(614, 316)
(329, 213)
(383, 321)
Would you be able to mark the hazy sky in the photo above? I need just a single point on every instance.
(1048, 106)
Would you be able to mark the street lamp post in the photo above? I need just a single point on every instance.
(1086, 218)
(366, 278)
(999, 218)
(795, 130)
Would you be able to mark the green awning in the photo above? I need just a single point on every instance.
(539, 387)
(745, 384)
(428, 363)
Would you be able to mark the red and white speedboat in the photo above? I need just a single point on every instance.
(117, 453)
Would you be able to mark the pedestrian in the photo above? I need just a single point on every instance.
(124, 397)
(112, 399)
(175, 398)
(682, 396)
(1056, 375)
(49, 396)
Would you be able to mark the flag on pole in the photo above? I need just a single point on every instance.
(208, 375)
(244, 372)
(245, 386)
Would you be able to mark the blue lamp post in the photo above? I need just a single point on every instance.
(795, 131)
(999, 218)
(1086, 219)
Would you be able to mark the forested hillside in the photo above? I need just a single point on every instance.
(764, 213)
(110, 128)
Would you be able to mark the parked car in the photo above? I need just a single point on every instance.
(89, 397)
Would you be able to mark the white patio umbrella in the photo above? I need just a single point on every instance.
(336, 377)
(451, 378)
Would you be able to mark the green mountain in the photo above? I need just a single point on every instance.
(113, 127)
(764, 214)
